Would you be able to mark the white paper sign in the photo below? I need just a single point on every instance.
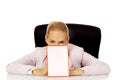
(57, 61)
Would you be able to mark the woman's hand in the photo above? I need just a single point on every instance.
(40, 71)
(76, 72)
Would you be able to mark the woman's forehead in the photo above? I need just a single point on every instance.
(57, 33)
(54, 35)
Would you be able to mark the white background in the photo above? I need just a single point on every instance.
(18, 19)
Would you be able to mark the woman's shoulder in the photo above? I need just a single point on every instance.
(40, 49)
(75, 51)
(74, 47)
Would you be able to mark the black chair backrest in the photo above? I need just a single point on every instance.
(86, 36)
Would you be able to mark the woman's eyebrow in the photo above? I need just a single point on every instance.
(61, 41)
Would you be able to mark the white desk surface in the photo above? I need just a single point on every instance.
(30, 77)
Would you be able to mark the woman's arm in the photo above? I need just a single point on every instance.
(92, 66)
(23, 65)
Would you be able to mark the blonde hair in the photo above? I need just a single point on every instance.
(60, 26)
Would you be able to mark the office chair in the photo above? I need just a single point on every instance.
(86, 36)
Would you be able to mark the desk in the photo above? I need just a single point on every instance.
(30, 77)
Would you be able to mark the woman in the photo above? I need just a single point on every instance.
(57, 33)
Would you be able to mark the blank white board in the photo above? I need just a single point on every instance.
(57, 61)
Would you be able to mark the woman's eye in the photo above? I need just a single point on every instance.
(62, 42)
(52, 41)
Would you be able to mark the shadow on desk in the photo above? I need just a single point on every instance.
(30, 77)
